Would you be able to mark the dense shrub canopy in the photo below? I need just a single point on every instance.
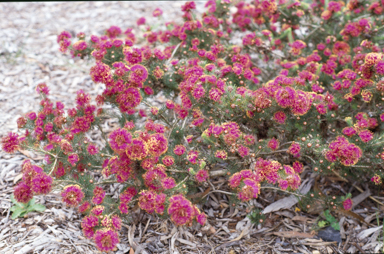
(303, 88)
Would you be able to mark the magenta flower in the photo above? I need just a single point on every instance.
(140, 21)
(250, 190)
(235, 180)
(10, 143)
(92, 149)
(366, 135)
(97, 210)
(201, 175)
(84, 207)
(180, 210)
(72, 195)
(347, 204)
(298, 167)
(279, 117)
(201, 218)
(273, 144)
(243, 151)
(22, 193)
(168, 183)
(283, 184)
(42, 184)
(192, 156)
(168, 160)
(73, 159)
(106, 239)
(285, 97)
(349, 131)
(98, 195)
(116, 222)
(119, 139)
(179, 150)
(294, 149)
(376, 179)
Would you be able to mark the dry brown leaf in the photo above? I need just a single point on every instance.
(28, 154)
(17, 178)
(351, 214)
(300, 218)
(293, 234)
(131, 251)
(320, 244)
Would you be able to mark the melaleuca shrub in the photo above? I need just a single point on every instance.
(304, 88)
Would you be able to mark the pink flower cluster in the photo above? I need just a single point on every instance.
(348, 153)
(34, 182)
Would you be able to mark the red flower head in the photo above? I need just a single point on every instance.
(152, 202)
(201, 218)
(140, 21)
(137, 150)
(84, 207)
(285, 97)
(294, 149)
(106, 239)
(201, 175)
(168, 183)
(366, 135)
(157, 144)
(179, 150)
(42, 88)
(280, 117)
(157, 12)
(180, 210)
(82, 98)
(138, 74)
(219, 154)
(98, 195)
(133, 55)
(42, 184)
(72, 195)
(168, 160)
(97, 210)
(88, 223)
(73, 159)
(273, 144)
(298, 167)
(302, 103)
(129, 99)
(250, 190)
(22, 193)
(347, 204)
(119, 139)
(376, 179)
(192, 156)
(92, 149)
(10, 142)
(243, 151)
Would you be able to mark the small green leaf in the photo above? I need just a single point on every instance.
(16, 213)
(322, 223)
(32, 202)
(38, 207)
(13, 208)
(335, 226)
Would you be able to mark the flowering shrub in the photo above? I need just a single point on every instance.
(305, 87)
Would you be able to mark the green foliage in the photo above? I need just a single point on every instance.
(20, 209)
(322, 223)
(331, 220)
(256, 216)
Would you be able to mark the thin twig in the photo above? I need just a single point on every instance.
(274, 188)
(357, 187)
(219, 191)
(278, 151)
